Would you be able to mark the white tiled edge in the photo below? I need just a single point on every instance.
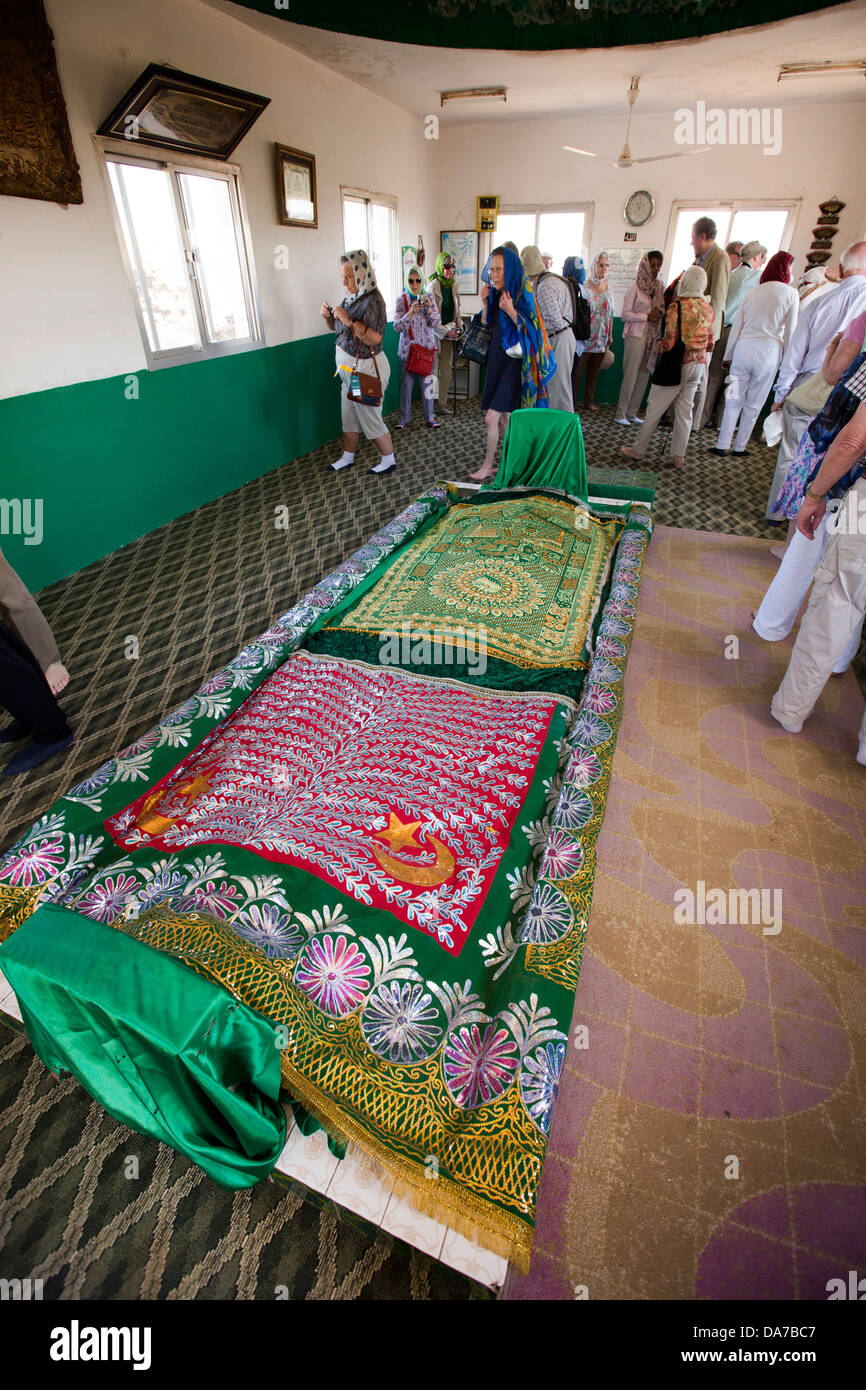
(356, 1184)
(8, 1002)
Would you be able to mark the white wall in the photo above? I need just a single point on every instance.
(64, 298)
(524, 162)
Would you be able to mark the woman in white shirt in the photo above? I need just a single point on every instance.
(759, 334)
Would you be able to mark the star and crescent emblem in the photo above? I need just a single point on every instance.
(401, 835)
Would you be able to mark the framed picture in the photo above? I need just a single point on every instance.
(463, 246)
(180, 112)
(296, 187)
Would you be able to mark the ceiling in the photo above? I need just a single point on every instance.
(532, 25)
(726, 69)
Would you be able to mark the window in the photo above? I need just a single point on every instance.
(770, 224)
(187, 251)
(560, 231)
(370, 223)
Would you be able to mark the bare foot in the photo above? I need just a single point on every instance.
(482, 474)
(592, 406)
(678, 461)
(778, 551)
(629, 453)
(57, 677)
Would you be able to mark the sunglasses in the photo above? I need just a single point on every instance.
(413, 280)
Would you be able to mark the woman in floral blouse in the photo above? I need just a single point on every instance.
(416, 315)
(689, 319)
(597, 291)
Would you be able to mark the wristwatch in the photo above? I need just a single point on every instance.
(815, 496)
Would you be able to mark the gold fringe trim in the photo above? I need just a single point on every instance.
(445, 1201)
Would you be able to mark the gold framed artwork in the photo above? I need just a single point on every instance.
(296, 187)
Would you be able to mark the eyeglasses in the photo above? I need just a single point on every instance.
(447, 265)
(413, 280)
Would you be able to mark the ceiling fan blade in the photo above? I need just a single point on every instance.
(572, 149)
(679, 154)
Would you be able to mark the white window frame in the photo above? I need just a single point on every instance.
(588, 210)
(384, 200)
(119, 150)
(734, 205)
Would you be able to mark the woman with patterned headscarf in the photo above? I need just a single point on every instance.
(642, 313)
(689, 320)
(446, 296)
(600, 301)
(519, 360)
(359, 323)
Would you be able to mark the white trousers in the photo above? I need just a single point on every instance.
(634, 376)
(682, 398)
(781, 603)
(559, 387)
(831, 624)
(753, 367)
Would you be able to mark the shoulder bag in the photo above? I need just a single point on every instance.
(365, 389)
(669, 368)
(420, 359)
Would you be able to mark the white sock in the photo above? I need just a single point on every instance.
(343, 461)
(387, 461)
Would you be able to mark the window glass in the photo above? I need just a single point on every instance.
(354, 224)
(153, 242)
(683, 254)
(764, 225)
(217, 268)
(560, 234)
(518, 227)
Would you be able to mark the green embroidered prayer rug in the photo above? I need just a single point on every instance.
(390, 873)
(501, 590)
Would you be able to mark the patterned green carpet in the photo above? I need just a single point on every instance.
(193, 593)
(196, 590)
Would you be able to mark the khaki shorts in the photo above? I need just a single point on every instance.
(362, 418)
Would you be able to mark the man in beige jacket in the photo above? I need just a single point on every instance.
(717, 264)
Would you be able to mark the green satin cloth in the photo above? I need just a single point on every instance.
(544, 448)
(163, 1049)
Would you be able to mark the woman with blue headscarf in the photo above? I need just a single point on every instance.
(519, 360)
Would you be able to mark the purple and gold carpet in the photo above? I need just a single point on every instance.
(710, 1140)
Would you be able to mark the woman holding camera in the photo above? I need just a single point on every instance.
(359, 323)
(415, 317)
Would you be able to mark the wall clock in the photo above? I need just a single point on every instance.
(639, 208)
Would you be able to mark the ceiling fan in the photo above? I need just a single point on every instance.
(625, 160)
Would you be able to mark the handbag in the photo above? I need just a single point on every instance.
(812, 394)
(669, 368)
(420, 359)
(607, 360)
(477, 341)
(365, 389)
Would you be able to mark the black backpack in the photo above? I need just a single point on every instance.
(581, 316)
